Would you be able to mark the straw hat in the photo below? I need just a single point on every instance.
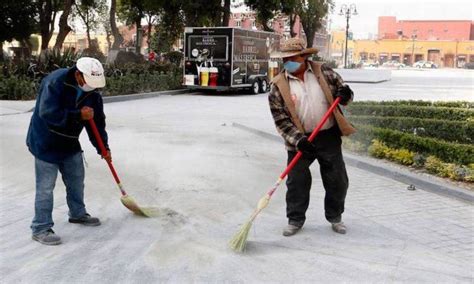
(293, 46)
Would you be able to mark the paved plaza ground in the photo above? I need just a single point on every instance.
(182, 155)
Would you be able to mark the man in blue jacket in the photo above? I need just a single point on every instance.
(67, 99)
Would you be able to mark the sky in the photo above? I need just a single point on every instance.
(369, 10)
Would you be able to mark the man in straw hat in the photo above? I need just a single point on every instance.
(300, 96)
(67, 98)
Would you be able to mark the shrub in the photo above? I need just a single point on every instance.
(380, 150)
(17, 88)
(354, 146)
(441, 113)
(453, 131)
(135, 83)
(446, 151)
(455, 104)
(52, 59)
(174, 57)
(419, 160)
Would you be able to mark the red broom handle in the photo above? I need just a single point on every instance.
(311, 137)
(103, 150)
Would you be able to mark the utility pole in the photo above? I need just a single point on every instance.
(347, 11)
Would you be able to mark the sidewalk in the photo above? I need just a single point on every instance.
(181, 154)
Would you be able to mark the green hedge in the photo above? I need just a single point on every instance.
(442, 113)
(23, 88)
(147, 82)
(452, 131)
(456, 104)
(446, 151)
(17, 88)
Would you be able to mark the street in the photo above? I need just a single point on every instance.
(420, 84)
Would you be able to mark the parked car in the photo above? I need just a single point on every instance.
(366, 64)
(425, 64)
(393, 64)
(469, 65)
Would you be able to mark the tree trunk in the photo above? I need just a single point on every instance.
(148, 36)
(309, 36)
(138, 39)
(118, 39)
(226, 16)
(45, 22)
(1, 52)
(64, 28)
(292, 25)
(88, 32)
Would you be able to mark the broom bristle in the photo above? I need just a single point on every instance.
(239, 241)
(130, 203)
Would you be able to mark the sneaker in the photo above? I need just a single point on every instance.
(86, 220)
(47, 238)
(339, 228)
(290, 230)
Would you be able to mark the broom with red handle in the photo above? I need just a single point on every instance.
(126, 199)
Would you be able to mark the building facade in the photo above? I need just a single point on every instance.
(449, 44)
(449, 54)
(390, 28)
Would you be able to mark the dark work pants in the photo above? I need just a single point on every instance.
(333, 174)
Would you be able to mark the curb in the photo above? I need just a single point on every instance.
(375, 167)
(123, 98)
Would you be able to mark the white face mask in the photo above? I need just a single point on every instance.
(86, 88)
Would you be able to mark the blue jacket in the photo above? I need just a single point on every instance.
(56, 123)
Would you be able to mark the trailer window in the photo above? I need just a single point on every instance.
(215, 47)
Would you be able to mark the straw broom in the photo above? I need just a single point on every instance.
(126, 199)
(239, 241)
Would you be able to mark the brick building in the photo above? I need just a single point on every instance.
(390, 28)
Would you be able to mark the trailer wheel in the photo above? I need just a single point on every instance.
(255, 87)
(263, 86)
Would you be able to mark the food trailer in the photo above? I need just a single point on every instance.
(224, 58)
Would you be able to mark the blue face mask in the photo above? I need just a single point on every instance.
(291, 66)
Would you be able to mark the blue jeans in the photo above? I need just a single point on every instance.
(72, 171)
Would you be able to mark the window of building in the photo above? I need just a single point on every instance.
(383, 57)
(238, 23)
(395, 57)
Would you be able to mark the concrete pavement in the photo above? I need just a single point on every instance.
(181, 154)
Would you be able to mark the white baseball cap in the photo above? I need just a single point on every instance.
(92, 70)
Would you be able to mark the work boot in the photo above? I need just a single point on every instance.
(290, 230)
(47, 238)
(86, 220)
(339, 228)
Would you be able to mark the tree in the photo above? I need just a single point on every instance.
(170, 26)
(288, 8)
(90, 12)
(199, 13)
(132, 12)
(311, 12)
(17, 21)
(64, 27)
(226, 13)
(118, 38)
(47, 10)
(265, 11)
(151, 10)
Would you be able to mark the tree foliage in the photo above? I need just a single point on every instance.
(13, 26)
(311, 12)
(90, 12)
